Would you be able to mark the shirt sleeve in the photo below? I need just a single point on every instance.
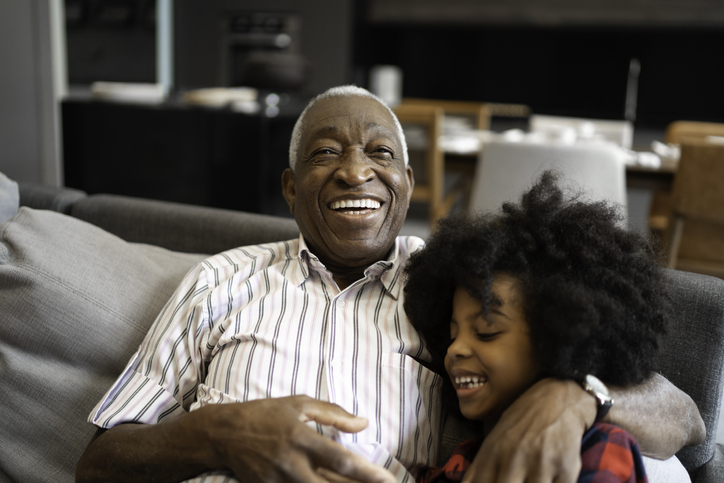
(161, 378)
(610, 455)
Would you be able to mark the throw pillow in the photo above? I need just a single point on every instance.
(76, 302)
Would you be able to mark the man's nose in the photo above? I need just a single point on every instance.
(355, 168)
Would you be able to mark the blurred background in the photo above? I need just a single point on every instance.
(155, 98)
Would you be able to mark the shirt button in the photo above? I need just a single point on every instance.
(340, 303)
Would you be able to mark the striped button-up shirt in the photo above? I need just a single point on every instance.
(269, 321)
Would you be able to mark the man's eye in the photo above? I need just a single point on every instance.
(323, 152)
(382, 151)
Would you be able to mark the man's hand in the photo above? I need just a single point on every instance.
(538, 438)
(267, 441)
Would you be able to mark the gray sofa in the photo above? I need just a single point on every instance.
(82, 278)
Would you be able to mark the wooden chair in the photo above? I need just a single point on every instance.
(432, 186)
(441, 192)
(423, 127)
(661, 203)
(682, 131)
(697, 221)
(478, 112)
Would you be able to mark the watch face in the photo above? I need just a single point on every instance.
(597, 385)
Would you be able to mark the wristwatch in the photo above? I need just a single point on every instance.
(593, 386)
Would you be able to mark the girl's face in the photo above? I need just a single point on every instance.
(491, 359)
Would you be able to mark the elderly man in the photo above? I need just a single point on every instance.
(257, 365)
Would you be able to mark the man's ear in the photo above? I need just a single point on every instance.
(410, 181)
(289, 188)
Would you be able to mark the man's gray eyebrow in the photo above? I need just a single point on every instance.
(379, 127)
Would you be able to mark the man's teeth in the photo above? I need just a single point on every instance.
(470, 382)
(360, 204)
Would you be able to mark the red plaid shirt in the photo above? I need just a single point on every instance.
(608, 455)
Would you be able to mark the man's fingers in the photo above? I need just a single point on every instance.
(332, 457)
(332, 477)
(331, 415)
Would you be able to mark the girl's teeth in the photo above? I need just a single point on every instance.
(470, 382)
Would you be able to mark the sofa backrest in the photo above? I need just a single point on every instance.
(43, 197)
(181, 227)
(175, 226)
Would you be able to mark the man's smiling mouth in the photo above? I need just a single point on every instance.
(355, 207)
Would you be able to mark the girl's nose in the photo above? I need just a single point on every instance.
(458, 348)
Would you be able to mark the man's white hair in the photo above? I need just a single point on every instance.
(339, 91)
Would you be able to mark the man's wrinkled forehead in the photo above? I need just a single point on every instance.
(333, 130)
(328, 116)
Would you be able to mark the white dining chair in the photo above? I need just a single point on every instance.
(596, 171)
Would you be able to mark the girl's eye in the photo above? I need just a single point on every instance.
(486, 336)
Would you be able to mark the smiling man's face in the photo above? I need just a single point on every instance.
(350, 190)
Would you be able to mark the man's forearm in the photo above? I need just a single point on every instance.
(144, 453)
(660, 416)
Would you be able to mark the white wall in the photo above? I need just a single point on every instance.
(33, 80)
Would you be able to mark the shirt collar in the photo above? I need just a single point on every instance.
(388, 271)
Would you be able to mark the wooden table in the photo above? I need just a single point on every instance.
(654, 179)
(642, 177)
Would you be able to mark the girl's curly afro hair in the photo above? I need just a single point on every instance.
(593, 292)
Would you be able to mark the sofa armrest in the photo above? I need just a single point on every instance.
(181, 227)
(713, 470)
(692, 353)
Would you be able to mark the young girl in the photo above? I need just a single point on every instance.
(550, 287)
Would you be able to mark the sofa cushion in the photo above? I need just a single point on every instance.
(76, 302)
